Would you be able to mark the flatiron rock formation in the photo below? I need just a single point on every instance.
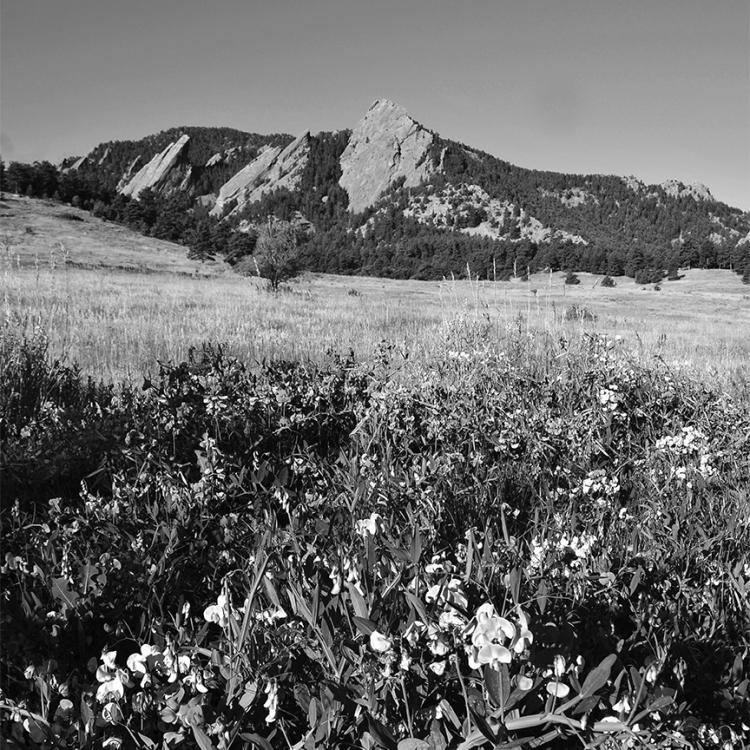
(159, 170)
(385, 146)
(273, 169)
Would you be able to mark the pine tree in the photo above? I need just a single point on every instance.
(201, 242)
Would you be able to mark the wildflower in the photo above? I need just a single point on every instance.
(524, 637)
(405, 662)
(272, 701)
(525, 683)
(623, 705)
(438, 667)
(449, 593)
(488, 633)
(218, 612)
(379, 643)
(110, 690)
(559, 665)
(413, 633)
(138, 663)
(437, 643)
(370, 526)
(558, 689)
(111, 713)
(64, 709)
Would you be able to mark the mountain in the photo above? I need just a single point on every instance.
(392, 197)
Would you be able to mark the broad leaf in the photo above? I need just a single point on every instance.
(598, 677)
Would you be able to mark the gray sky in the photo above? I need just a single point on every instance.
(654, 88)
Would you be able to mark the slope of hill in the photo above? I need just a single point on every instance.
(391, 197)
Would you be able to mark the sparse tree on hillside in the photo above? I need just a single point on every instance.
(276, 256)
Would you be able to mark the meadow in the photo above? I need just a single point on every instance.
(115, 302)
(510, 518)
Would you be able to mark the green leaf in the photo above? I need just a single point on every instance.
(475, 739)
(497, 682)
(247, 698)
(598, 677)
(256, 739)
(60, 591)
(416, 547)
(418, 605)
(202, 739)
(358, 602)
(364, 625)
(541, 596)
(411, 743)
(383, 736)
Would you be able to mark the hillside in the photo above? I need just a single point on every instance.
(393, 198)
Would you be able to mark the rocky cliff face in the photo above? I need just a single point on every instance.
(384, 147)
(273, 169)
(160, 170)
(696, 190)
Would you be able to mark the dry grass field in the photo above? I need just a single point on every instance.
(115, 302)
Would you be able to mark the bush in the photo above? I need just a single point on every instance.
(571, 278)
(608, 282)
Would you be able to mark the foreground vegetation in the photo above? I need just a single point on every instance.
(530, 540)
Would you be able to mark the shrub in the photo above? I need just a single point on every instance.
(608, 282)
(571, 278)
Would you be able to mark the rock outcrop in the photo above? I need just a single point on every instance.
(77, 164)
(386, 146)
(160, 170)
(272, 169)
(125, 179)
(696, 190)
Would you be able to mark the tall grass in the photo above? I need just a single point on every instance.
(117, 324)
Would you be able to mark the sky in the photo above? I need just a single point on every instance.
(654, 88)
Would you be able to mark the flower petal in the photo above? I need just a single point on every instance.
(558, 689)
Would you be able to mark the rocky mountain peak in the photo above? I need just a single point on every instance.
(385, 146)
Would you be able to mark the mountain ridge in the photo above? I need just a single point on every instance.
(392, 197)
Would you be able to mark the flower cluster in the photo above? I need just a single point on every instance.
(488, 633)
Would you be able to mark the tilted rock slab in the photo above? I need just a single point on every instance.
(272, 169)
(158, 171)
(385, 146)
